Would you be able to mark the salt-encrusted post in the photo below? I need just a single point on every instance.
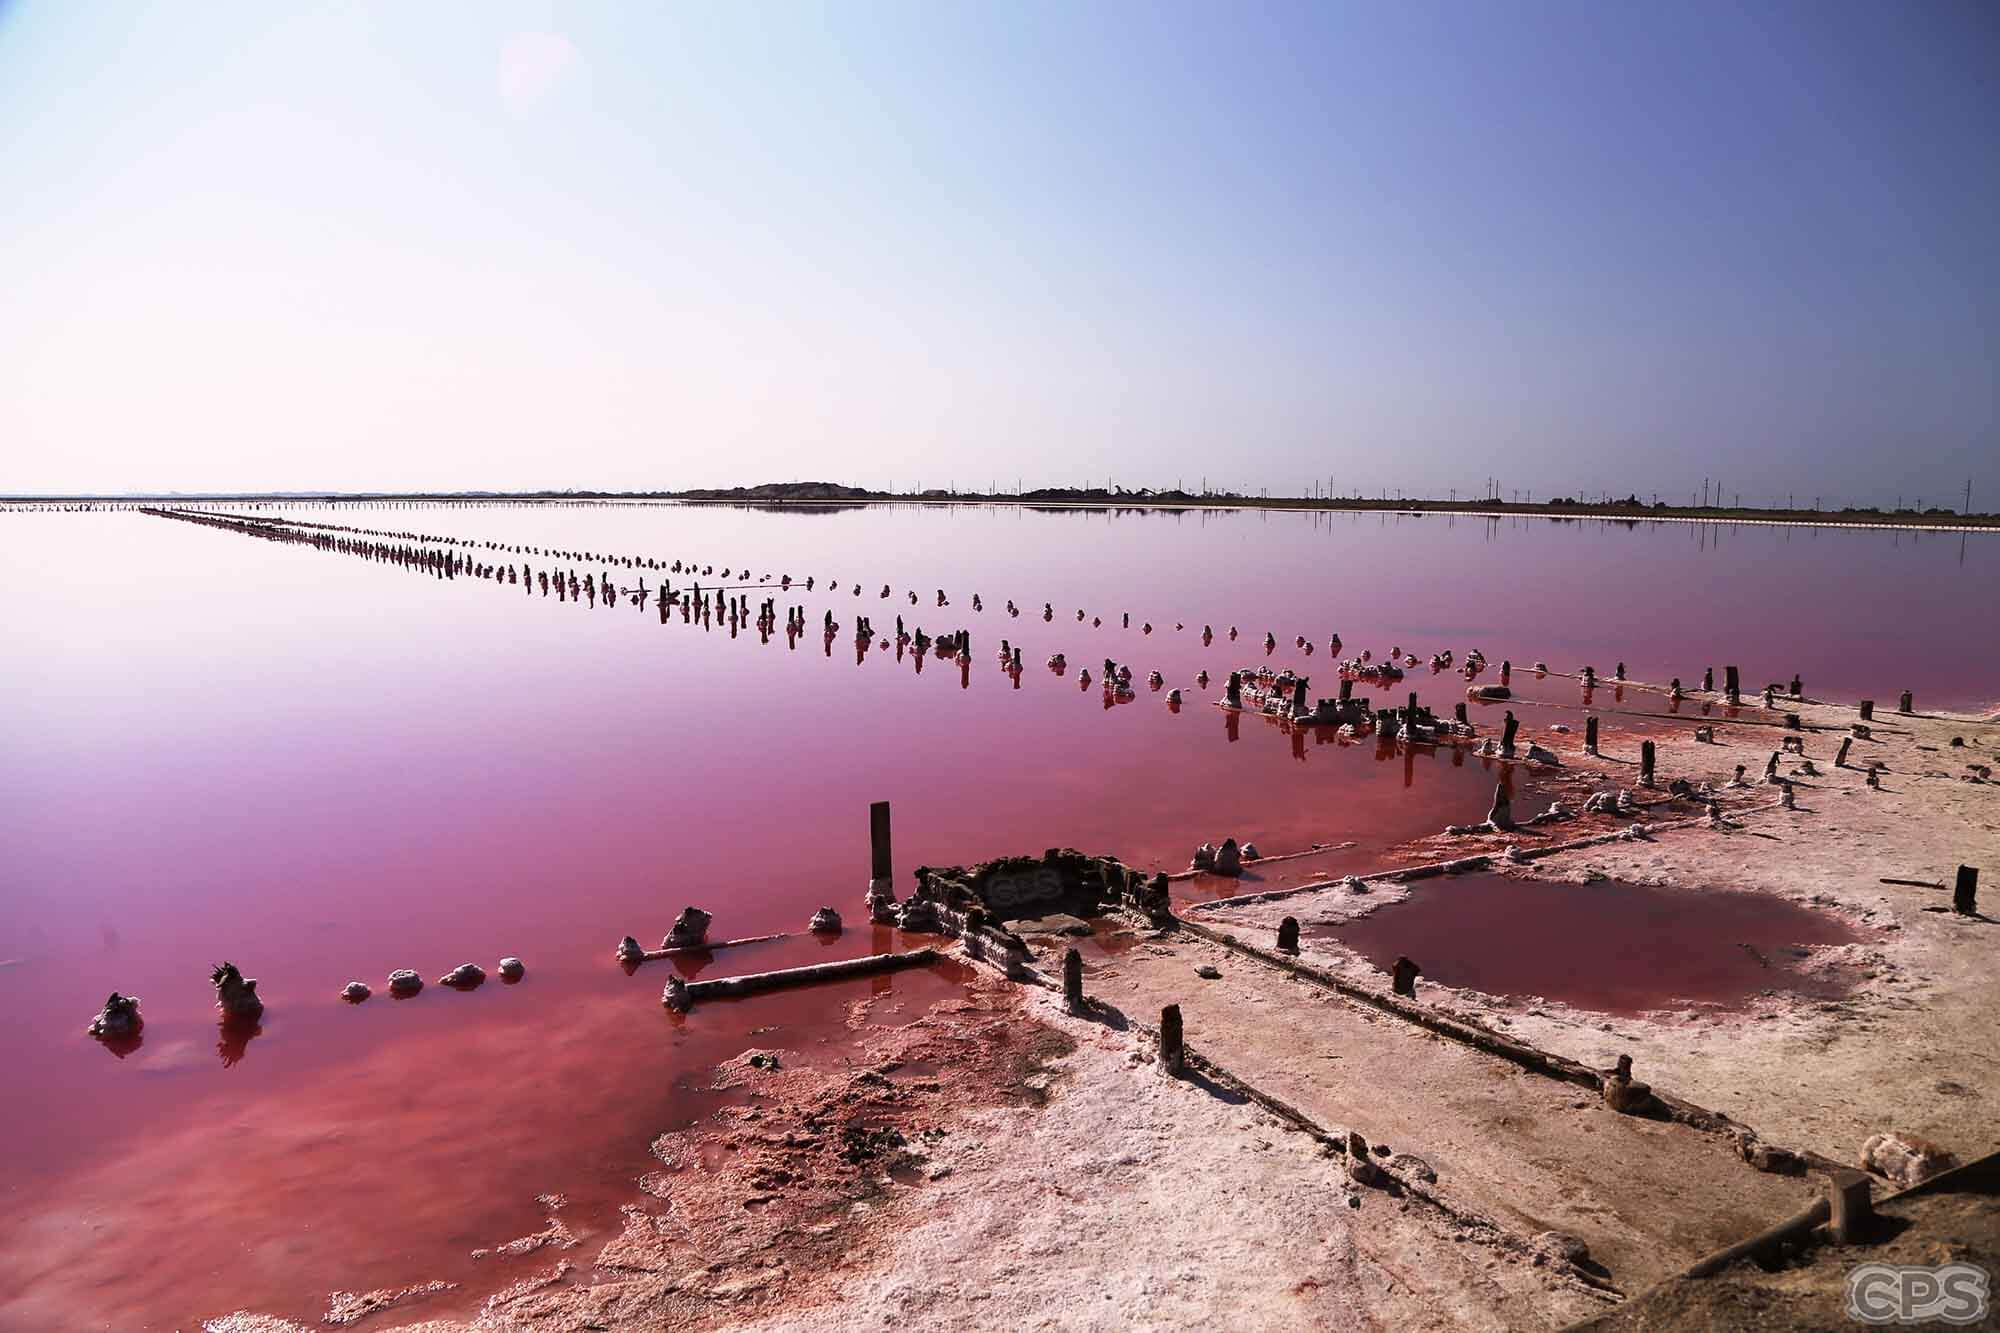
(1073, 980)
(1965, 894)
(1173, 1049)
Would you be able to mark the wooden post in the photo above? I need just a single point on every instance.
(1851, 1205)
(1590, 735)
(1073, 980)
(1708, 680)
(1508, 728)
(878, 841)
(1173, 1047)
(1346, 690)
(1288, 935)
(1840, 760)
(1792, 722)
(758, 982)
(1965, 893)
(1458, 710)
(1907, 704)
(1867, 710)
(1733, 685)
(1646, 758)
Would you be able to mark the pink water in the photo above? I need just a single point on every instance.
(324, 768)
(1608, 946)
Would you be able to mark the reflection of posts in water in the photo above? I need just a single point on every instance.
(1232, 724)
(1409, 767)
(233, 1040)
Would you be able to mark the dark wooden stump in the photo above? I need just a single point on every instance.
(1073, 980)
(1173, 1047)
(1403, 977)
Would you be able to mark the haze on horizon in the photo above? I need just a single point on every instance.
(1576, 246)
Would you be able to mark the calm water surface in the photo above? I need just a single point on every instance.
(324, 768)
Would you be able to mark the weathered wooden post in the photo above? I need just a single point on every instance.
(1851, 1207)
(1646, 760)
(1733, 685)
(1708, 680)
(1288, 935)
(1792, 722)
(1173, 1048)
(1840, 760)
(1506, 671)
(1073, 981)
(1965, 893)
(1233, 695)
(1906, 704)
(1621, 672)
(1590, 735)
(881, 871)
(1509, 726)
(1458, 712)
(1867, 710)
(1346, 690)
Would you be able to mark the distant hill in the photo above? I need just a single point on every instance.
(785, 490)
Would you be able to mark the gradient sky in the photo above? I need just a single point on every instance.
(1407, 245)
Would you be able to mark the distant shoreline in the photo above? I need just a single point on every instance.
(774, 497)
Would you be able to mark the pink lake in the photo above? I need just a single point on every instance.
(323, 768)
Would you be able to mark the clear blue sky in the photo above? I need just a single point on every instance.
(1574, 246)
